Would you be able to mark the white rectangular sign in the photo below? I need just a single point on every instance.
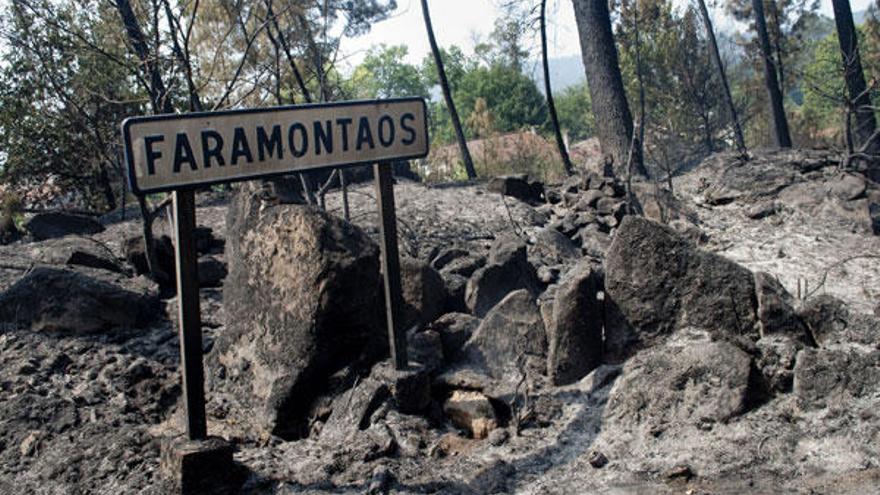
(166, 152)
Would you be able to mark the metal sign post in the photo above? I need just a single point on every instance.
(189, 314)
(181, 152)
(390, 263)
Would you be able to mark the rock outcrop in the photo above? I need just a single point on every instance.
(507, 270)
(75, 250)
(690, 381)
(832, 323)
(424, 293)
(302, 300)
(510, 340)
(835, 378)
(44, 226)
(80, 301)
(574, 329)
(657, 282)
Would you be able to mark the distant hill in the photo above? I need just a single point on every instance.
(564, 72)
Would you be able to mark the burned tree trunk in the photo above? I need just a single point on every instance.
(156, 88)
(161, 104)
(447, 95)
(859, 96)
(615, 128)
(778, 121)
(728, 98)
(551, 104)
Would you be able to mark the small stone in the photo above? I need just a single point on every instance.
(455, 330)
(471, 411)
(446, 256)
(380, 481)
(30, 444)
(597, 459)
(498, 437)
(762, 210)
(589, 199)
(680, 473)
(451, 445)
(548, 274)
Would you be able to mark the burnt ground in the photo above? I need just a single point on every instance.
(84, 414)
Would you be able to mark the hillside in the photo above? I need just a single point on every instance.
(653, 358)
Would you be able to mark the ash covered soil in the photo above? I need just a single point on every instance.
(725, 340)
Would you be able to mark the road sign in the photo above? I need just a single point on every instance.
(167, 152)
(178, 153)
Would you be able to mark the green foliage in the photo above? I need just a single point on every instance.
(575, 112)
(61, 103)
(385, 74)
(456, 63)
(791, 24)
(824, 89)
(824, 92)
(510, 95)
(685, 114)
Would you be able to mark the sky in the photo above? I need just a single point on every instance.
(458, 22)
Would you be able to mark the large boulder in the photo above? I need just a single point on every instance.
(574, 328)
(58, 224)
(835, 378)
(507, 270)
(75, 250)
(302, 300)
(657, 281)
(510, 340)
(424, 293)
(847, 187)
(81, 301)
(831, 322)
(690, 382)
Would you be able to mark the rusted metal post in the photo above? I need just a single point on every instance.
(390, 263)
(189, 322)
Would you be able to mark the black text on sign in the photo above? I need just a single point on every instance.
(172, 151)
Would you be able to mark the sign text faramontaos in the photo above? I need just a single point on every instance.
(168, 152)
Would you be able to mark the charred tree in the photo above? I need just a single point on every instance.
(728, 98)
(859, 95)
(778, 121)
(602, 68)
(551, 104)
(447, 95)
(161, 104)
